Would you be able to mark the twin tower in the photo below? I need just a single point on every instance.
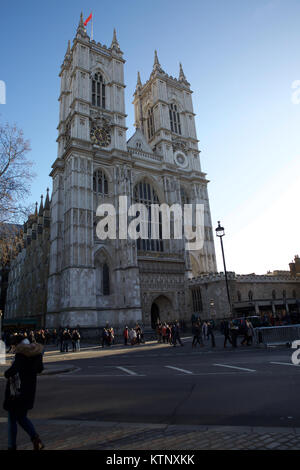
(92, 281)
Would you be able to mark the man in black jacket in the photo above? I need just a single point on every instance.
(20, 390)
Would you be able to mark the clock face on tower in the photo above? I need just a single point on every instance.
(100, 136)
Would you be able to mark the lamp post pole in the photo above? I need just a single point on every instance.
(220, 233)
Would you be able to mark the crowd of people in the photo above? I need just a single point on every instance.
(63, 338)
(169, 333)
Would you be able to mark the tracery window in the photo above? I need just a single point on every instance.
(184, 197)
(197, 300)
(100, 183)
(98, 90)
(145, 194)
(105, 279)
(174, 119)
(150, 123)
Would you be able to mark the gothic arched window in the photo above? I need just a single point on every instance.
(98, 90)
(183, 195)
(100, 183)
(145, 194)
(283, 294)
(150, 123)
(105, 279)
(174, 119)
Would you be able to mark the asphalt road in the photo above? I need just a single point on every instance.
(162, 384)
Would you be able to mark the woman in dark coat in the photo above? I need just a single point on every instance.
(20, 390)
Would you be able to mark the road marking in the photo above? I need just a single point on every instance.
(181, 370)
(128, 371)
(235, 367)
(285, 363)
(93, 376)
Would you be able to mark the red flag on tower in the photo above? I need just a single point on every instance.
(88, 19)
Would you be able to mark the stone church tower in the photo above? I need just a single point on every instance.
(93, 281)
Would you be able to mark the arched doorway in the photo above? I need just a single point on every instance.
(161, 310)
(154, 315)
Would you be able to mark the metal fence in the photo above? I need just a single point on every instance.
(273, 335)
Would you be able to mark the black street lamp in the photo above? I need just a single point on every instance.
(220, 232)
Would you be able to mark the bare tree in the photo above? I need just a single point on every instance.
(16, 174)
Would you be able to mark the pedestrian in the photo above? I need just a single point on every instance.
(20, 390)
(126, 335)
(138, 334)
(248, 334)
(158, 332)
(132, 336)
(210, 333)
(61, 339)
(176, 334)
(54, 337)
(204, 330)
(104, 337)
(66, 340)
(164, 333)
(225, 328)
(196, 330)
(111, 336)
(76, 340)
(234, 331)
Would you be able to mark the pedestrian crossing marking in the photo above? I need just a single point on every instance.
(128, 371)
(180, 370)
(235, 367)
(284, 363)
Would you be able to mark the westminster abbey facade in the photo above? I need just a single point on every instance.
(123, 281)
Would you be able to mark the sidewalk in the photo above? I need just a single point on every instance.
(93, 435)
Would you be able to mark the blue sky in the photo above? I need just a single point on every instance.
(241, 58)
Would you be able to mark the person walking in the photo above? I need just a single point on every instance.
(61, 339)
(225, 328)
(234, 331)
(210, 333)
(176, 334)
(248, 333)
(21, 388)
(204, 330)
(126, 335)
(196, 330)
(104, 337)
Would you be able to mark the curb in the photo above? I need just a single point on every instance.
(57, 371)
(52, 371)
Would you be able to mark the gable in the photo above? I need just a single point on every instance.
(138, 141)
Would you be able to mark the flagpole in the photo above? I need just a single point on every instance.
(92, 27)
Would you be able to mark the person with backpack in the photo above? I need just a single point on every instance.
(66, 340)
(21, 388)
